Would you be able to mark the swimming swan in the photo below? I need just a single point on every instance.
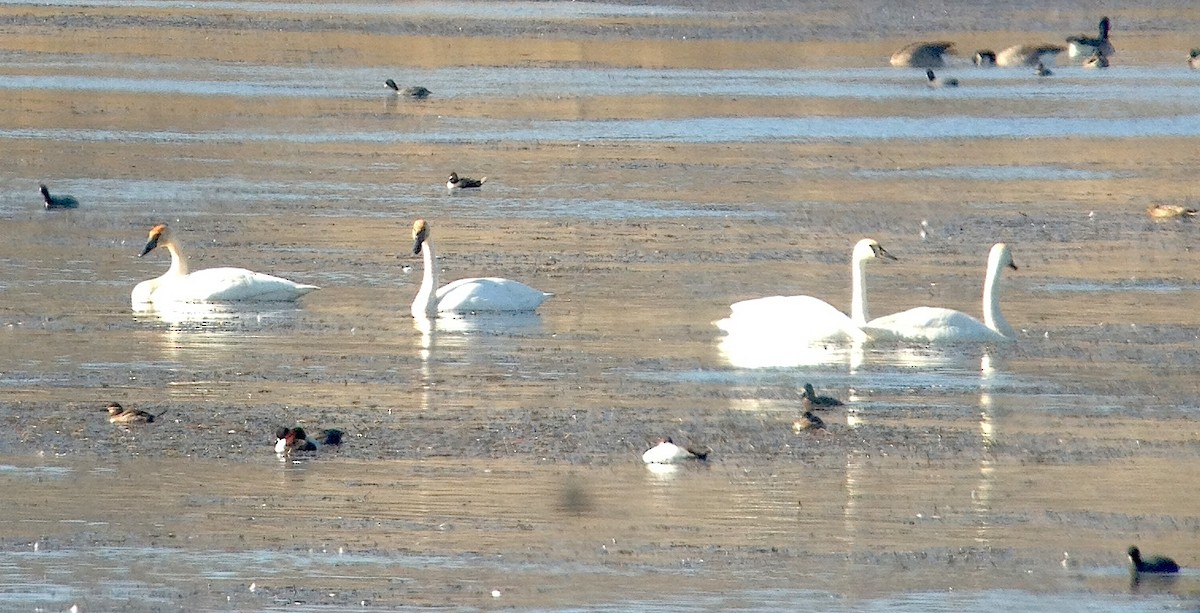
(807, 317)
(211, 284)
(933, 324)
(466, 295)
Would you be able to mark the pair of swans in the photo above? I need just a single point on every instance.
(813, 319)
(179, 285)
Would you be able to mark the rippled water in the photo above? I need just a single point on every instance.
(493, 462)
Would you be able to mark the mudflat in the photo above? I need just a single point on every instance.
(649, 165)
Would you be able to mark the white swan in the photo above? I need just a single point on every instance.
(806, 317)
(476, 294)
(933, 325)
(211, 284)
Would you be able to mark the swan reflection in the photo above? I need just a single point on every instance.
(757, 350)
(202, 315)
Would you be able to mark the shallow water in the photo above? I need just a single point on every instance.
(648, 182)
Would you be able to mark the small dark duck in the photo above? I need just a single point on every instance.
(118, 414)
(57, 202)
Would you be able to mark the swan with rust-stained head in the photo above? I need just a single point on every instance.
(211, 284)
(939, 325)
(806, 317)
(464, 296)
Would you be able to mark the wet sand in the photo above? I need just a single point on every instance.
(500, 456)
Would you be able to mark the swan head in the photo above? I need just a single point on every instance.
(868, 248)
(420, 233)
(1001, 257)
(158, 234)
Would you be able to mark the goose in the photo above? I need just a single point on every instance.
(1169, 211)
(806, 317)
(933, 324)
(57, 202)
(417, 91)
(922, 55)
(1028, 55)
(288, 440)
(667, 452)
(209, 285)
(1152, 564)
(1084, 45)
(471, 295)
(118, 414)
(1042, 71)
(985, 58)
(1194, 59)
(1097, 60)
(815, 402)
(937, 82)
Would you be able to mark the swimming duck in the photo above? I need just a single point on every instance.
(922, 55)
(1169, 211)
(457, 182)
(1028, 55)
(1084, 45)
(808, 421)
(1194, 59)
(57, 202)
(211, 284)
(813, 401)
(985, 58)
(1042, 71)
(667, 452)
(1152, 564)
(288, 440)
(416, 91)
(1097, 60)
(118, 414)
(471, 295)
(937, 82)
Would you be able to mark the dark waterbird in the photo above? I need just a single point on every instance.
(118, 414)
(288, 440)
(415, 91)
(57, 202)
(1156, 565)
(813, 401)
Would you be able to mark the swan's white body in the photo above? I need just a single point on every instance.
(178, 285)
(666, 452)
(211, 284)
(807, 318)
(939, 325)
(479, 294)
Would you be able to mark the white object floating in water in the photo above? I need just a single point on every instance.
(253, 587)
(495, 593)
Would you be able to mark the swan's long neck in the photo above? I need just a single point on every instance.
(992, 317)
(858, 292)
(425, 304)
(179, 265)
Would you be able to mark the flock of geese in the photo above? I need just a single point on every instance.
(1095, 52)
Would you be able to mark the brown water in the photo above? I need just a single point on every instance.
(649, 165)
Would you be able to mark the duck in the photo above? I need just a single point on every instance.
(1169, 211)
(1152, 564)
(939, 325)
(292, 439)
(1028, 55)
(937, 82)
(178, 285)
(808, 421)
(1042, 71)
(472, 295)
(922, 55)
(57, 202)
(815, 402)
(456, 182)
(118, 414)
(1194, 59)
(1083, 45)
(1097, 60)
(416, 91)
(665, 451)
(806, 317)
(985, 58)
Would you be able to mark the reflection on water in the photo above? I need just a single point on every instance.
(750, 350)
